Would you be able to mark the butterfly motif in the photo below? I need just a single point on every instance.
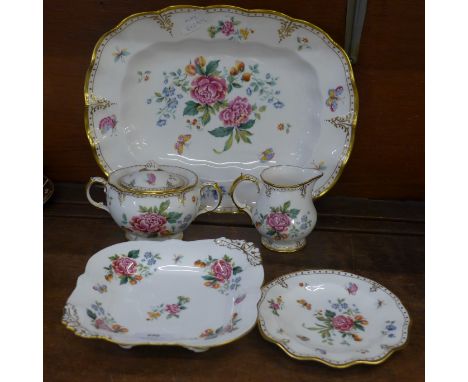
(120, 54)
(178, 258)
(181, 142)
(100, 288)
(333, 98)
(352, 288)
(143, 76)
(267, 155)
(305, 304)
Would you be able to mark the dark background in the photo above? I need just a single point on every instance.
(388, 156)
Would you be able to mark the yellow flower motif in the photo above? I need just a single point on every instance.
(244, 33)
(153, 315)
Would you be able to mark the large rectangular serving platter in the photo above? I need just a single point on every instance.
(221, 90)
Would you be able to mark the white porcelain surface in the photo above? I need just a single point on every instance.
(282, 211)
(195, 294)
(334, 317)
(223, 91)
(153, 212)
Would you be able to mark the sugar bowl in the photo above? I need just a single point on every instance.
(153, 202)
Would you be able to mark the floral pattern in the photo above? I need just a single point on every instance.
(229, 28)
(169, 310)
(283, 126)
(303, 43)
(352, 288)
(221, 274)
(390, 329)
(208, 87)
(341, 320)
(102, 320)
(108, 124)
(127, 269)
(101, 288)
(276, 304)
(280, 222)
(154, 220)
(209, 334)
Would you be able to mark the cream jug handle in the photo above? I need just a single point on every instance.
(243, 206)
(218, 190)
(93, 180)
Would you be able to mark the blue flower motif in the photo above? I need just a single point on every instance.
(277, 92)
(179, 96)
(161, 122)
(390, 327)
(249, 91)
(151, 261)
(391, 335)
(168, 91)
(268, 75)
(148, 101)
(166, 80)
(172, 104)
(303, 226)
(304, 218)
(335, 306)
(278, 104)
(344, 306)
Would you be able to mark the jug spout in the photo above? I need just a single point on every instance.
(291, 177)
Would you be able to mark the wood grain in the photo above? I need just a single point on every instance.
(388, 156)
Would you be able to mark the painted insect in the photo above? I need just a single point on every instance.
(143, 76)
(267, 155)
(304, 304)
(120, 54)
(380, 303)
(181, 142)
(333, 98)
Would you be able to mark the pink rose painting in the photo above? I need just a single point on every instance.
(221, 274)
(228, 28)
(278, 221)
(208, 89)
(124, 266)
(222, 270)
(172, 309)
(342, 323)
(148, 223)
(107, 124)
(237, 112)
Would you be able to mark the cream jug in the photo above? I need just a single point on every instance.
(284, 212)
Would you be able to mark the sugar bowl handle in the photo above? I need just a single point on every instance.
(218, 191)
(93, 180)
(243, 206)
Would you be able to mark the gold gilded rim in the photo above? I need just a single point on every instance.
(283, 250)
(341, 165)
(173, 191)
(297, 185)
(318, 359)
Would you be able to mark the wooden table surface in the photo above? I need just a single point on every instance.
(382, 240)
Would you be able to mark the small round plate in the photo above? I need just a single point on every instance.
(337, 318)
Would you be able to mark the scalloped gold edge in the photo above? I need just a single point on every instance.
(264, 11)
(318, 359)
